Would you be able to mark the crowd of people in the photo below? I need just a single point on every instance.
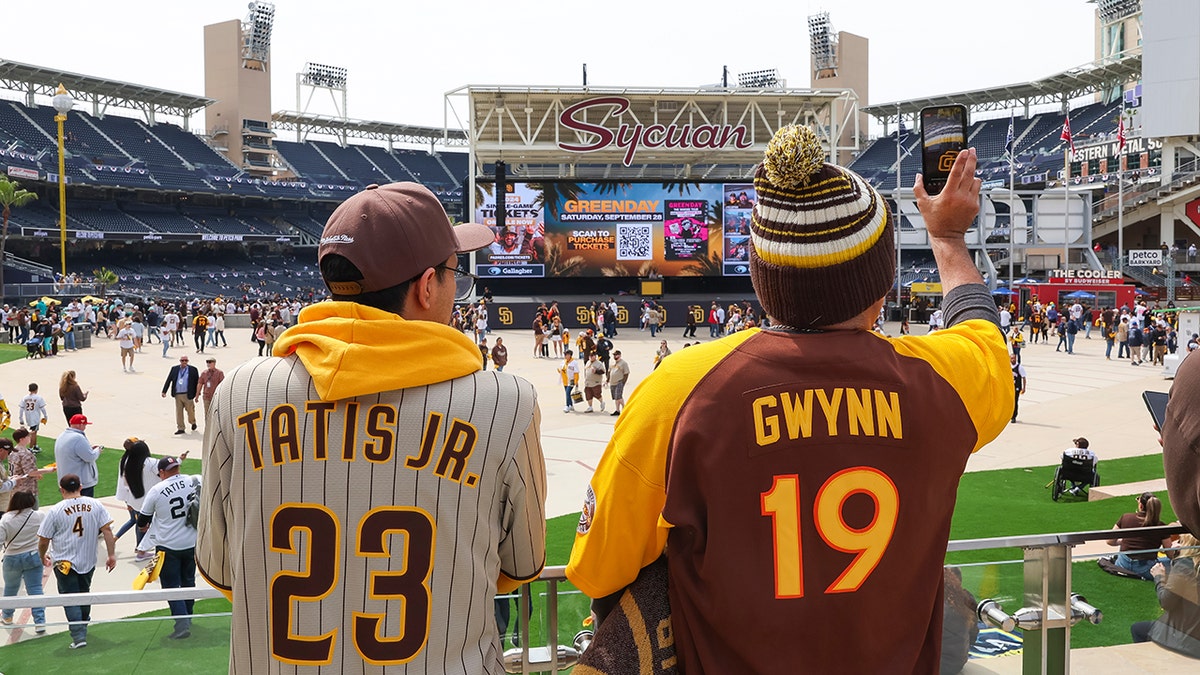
(1141, 333)
(48, 326)
(435, 440)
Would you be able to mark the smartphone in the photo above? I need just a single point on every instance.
(1156, 403)
(943, 136)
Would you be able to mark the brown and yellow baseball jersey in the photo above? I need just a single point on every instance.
(368, 534)
(802, 486)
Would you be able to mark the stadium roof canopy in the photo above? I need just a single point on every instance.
(1064, 86)
(343, 128)
(100, 92)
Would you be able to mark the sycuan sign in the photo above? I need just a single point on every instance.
(632, 138)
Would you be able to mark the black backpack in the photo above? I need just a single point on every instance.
(193, 505)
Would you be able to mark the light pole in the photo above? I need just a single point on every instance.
(63, 103)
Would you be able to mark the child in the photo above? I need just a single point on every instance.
(33, 414)
(1016, 340)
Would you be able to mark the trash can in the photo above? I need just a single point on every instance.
(83, 337)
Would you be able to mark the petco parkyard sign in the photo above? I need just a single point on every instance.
(1148, 258)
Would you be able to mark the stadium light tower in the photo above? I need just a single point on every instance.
(320, 76)
(256, 34)
(759, 79)
(63, 103)
(823, 41)
(1115, 10)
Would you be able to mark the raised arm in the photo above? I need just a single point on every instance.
(947, 218)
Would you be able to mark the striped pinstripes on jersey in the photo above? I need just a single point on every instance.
(67, 543)
(496, 524)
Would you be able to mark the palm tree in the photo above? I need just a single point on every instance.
(555, 193)
(711, 266)
(105, 278)
(10, 196)
(560, 265)
(621, 269)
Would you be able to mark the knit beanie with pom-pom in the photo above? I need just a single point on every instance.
(821, 237)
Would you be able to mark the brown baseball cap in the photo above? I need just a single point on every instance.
(393, 233)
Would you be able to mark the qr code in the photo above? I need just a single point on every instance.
(633, 242)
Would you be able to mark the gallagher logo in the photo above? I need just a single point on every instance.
(631, 138)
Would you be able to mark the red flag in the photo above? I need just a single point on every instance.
(1121, 133)
(1066, 133)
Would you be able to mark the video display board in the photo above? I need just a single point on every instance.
(569, 229)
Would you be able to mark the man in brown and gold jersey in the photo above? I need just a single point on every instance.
(801, 478)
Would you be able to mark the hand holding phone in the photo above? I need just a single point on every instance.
(1156, 403)
(943, 136)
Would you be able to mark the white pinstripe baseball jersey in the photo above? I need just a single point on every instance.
(367, 535)
(72, 526)
(166, 503)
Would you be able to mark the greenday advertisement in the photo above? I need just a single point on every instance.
(568, 229)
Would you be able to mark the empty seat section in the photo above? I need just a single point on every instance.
(135, 140)
(308, 163)
(386, 161)
(192, 148)
(352, 163)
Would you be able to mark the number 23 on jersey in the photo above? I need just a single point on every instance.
(320, 575)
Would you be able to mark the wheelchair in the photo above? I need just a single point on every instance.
(1081, 472)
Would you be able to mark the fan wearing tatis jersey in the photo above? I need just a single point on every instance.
(368, 488)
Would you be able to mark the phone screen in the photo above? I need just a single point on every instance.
(943, 136)
(1156, 403)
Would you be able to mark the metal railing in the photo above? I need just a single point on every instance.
(1049, 607)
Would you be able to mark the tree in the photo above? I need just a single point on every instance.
(10, 196)
(105, 278)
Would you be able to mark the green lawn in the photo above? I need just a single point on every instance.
(108, 466)
(990, 504)
(11, 352)
(134, 647)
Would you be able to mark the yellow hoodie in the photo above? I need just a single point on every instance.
(353, 350)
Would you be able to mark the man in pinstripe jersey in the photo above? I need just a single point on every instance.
(369, 489)
(72, 526)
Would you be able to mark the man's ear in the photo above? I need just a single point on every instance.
(421, 291)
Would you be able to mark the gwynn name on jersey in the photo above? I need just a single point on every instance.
(376, 443)
(845, 411)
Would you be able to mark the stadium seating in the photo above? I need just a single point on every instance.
(32, 137)
(137, 141)
(103, 216)
(163, 219)
(304, 223)
(34, 214)
(308, 162)
(388, 162)
(189, 275)
(193, 149)
(352, 163)
(1039, 147)
(425, 167)
(126, 153)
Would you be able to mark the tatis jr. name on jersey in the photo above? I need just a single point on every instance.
(845, 411)
(376, 444)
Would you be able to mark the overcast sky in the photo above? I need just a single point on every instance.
(403, 56)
